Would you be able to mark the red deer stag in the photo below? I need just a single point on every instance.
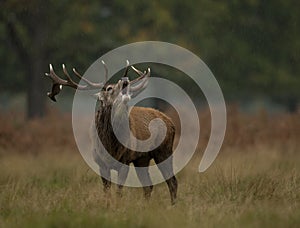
(112, 109)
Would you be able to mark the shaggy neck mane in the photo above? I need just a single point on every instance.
(103, 121)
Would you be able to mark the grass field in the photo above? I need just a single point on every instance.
(255, 181)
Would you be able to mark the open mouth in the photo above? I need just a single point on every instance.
(124, 87)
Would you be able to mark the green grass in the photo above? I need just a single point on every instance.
(248, 188)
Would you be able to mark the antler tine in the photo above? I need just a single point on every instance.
(106, 70)
(90, 85)
(68, 76)
(127, 68)
(137, 71)
(57, 79)
(140, 73)
(143, 84)
(86, 80)
(79, 75)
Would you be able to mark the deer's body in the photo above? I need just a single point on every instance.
(139, 119)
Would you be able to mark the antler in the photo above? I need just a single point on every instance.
(143, 76)
(69, 81)
(140, 73)
(58, 83)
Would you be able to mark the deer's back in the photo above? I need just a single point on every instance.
(140, 118)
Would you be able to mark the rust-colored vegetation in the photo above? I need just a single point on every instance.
(53, 133)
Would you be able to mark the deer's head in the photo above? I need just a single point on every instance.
(108, 94)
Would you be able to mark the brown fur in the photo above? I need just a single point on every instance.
(139, 119)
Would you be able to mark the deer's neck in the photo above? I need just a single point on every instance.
(106, 118)
(116, 113)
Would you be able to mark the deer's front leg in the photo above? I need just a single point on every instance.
(105, 176)
(122, 175)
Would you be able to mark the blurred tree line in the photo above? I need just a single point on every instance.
(252, 46)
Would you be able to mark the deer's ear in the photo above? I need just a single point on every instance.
(95, 96)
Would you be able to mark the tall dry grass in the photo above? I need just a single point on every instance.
(254, 182)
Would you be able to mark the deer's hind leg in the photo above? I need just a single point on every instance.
(166, 170)
(142, 170)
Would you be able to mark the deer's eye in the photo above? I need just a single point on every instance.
(109, 88)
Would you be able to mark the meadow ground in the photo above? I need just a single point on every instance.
(255, 181)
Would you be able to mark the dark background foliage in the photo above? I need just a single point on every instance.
(251, 46)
